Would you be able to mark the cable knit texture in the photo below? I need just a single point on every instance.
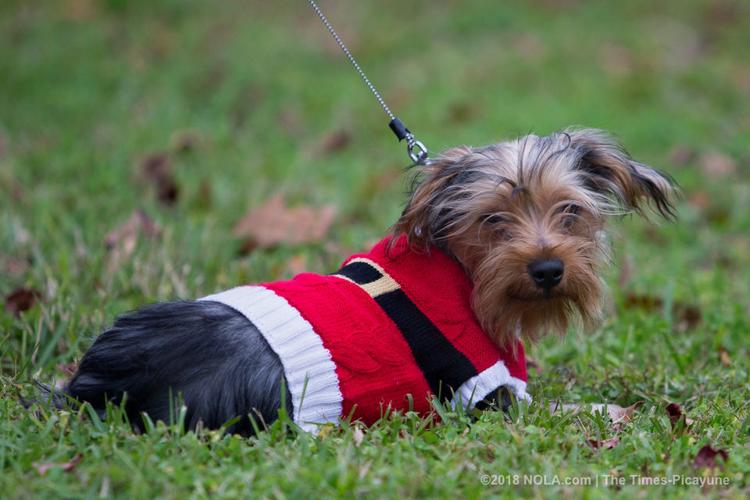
(395, 339)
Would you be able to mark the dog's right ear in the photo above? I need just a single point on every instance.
(426, 212)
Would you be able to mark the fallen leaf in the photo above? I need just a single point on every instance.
(528, 45)
(724, 357)
(707, 455)
(185, 141)
(274, 223)
(79, 10)
(618, 415)
(717, 164)
(604, 443)
(20, 300)
(646, 302)
(676, 415)
(13, 266)
(461, 112)
(122, 240)
(681, 155)
(65, 466)
(700, 200)
(290, 120)
(718, 15)
(157, 170)
(685, 316)
(335, 141)
(247, 247)
(617, 60)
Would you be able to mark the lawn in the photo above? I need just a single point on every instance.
(188, 114)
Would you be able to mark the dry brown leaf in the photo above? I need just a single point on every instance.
(604, 443)
(528, 45)
(274, 223)
(717, 164)
(122, 240)
(65, 466)
(617, 60)
(724, 357)
(184, 141)
(291, 121)
(681, 155)
(707, 455)
(686, 316)
(617, 414)
(677, 417)
(13, 266)
(79, 10)
(699, 200)
(335, 141)
(461, 112)
(20, 300)
(157, 170)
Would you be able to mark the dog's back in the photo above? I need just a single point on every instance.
(201, 354)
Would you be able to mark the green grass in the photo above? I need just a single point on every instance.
(88, 88)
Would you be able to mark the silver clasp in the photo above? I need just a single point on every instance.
(416, 150)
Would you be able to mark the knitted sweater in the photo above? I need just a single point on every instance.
(391, 328)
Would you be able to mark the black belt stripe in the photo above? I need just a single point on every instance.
(444, 367)
(360, 272)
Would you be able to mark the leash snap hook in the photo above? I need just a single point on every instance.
(416, 150)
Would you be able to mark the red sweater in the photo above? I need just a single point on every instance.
(391, 328)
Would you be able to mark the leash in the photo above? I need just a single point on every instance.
(415, 149)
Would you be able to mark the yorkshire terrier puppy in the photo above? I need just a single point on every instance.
(496, 245)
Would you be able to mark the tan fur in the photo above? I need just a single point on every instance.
(498, 208)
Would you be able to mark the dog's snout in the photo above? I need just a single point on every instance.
(546, 274)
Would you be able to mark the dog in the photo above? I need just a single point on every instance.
(497, 245)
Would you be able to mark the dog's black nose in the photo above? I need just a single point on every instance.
(546, 274)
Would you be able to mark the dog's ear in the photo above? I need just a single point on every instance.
(610, 171)
(422, 219)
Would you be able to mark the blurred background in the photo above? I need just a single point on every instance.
(161, 150)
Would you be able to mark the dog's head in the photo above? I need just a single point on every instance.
(526, 219)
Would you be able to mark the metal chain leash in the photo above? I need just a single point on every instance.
(415, 149)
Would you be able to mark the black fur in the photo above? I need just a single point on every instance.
(203, 354)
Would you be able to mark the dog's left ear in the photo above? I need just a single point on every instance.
(424, 216)
(613, 173)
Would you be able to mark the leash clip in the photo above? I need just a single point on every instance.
(415, 149)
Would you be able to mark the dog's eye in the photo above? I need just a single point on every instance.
(569, 214)
(494, 219)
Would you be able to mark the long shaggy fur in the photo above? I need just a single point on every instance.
(201, 354)
(498, 208)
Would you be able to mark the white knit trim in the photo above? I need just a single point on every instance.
(480, 386)
(308, 366)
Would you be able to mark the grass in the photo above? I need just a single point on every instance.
(89, 88)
